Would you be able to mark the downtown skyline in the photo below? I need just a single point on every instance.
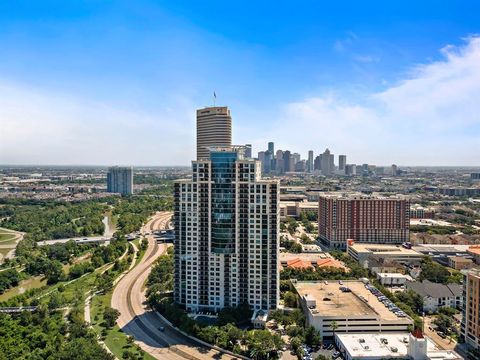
(401, 88)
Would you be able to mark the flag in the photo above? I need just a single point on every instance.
(214, 95)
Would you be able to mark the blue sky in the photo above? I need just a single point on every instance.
(106, 82)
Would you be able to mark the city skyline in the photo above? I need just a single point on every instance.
(398, 88)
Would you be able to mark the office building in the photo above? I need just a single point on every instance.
(271, 147)
(287, 161)
(394, 170)
(342, 162)
(279, 164)
(120, 180)
(248, 151)
(363, 219)
(350, 169)
(327, 163)
(301, 166)
(310, 161)
(317, 163)
(226, 234)
(475, 176)
(214, 128)
(470, 327)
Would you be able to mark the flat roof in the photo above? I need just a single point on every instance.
(388, 345)
(441, 248)
(312, 257)
(383, 249)
(344, 304)
(394, 275)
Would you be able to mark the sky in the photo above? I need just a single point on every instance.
(100, 82)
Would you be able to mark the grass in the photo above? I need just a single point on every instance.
(6, 237)
(115, 339)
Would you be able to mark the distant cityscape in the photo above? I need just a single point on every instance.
(366, 254)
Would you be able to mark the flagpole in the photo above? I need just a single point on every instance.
(214, 98)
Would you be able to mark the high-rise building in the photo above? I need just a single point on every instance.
(350, 169)
(310, 161)
(342, 161)
(279, 166)
(317, 163)
(226, 234)
(214, 128)
(470, 328)
(301, 166)
(248, 151)
(288, 165)
(120, 180)
(271, 147)
(364, 219)
(295, 159)
(327, 163)
(394, 170)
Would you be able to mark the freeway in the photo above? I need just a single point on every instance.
(141, 322)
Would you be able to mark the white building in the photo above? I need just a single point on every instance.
(398, 346)
(393, 279)
(436, 296)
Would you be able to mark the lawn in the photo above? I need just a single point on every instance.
(115, 339)
(6, 237)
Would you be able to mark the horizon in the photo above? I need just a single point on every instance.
(106, 83)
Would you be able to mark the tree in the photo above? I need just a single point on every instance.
(312, 336)
(54, 272)
(444, 323)
(56, 301)
(289, 299)
(110, 315)
(334, 326)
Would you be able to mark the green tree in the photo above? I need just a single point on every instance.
(110, 315)
(290, 299)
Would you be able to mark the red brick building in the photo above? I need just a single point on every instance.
(364, 219)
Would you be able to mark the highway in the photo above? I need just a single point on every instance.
(141, 322)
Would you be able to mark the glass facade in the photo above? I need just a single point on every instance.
(223, 202)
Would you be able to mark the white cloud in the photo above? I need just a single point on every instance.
(431, 117)
(37, 127)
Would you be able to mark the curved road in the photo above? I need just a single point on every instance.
(142, 323)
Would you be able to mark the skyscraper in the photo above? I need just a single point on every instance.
(287, 161)
(342, 161)
(271, 147)
(470, 329)
(214, 128)
(327, 163)
(226, 234)
(366, 219)
(248, 151)
(120, 180)
(310, 161)
(279, 165)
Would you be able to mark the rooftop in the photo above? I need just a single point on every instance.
(434, 290)
(332, 302)
(384, 249)
(361, 196)
(388, 346)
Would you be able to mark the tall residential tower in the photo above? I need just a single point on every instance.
(226, 234)
(120, 180)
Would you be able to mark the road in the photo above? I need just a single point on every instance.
(142, 323)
